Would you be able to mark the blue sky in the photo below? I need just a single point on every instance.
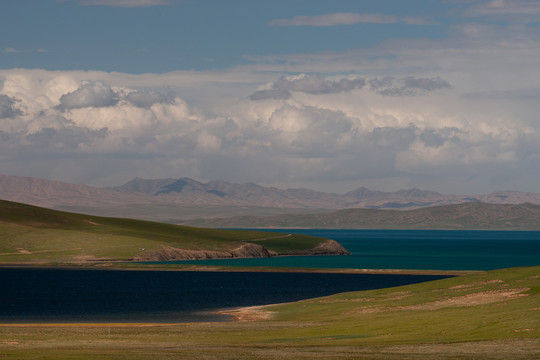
(331, 95)
(189, 34)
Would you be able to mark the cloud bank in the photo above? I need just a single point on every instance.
(303, 83)
(315, 85)
(320, 131)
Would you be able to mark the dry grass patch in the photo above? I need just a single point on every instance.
(251, 313)
(474, 299)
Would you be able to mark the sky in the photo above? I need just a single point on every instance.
(327, 95)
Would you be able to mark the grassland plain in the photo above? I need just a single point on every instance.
(33, 234)
(487, 315)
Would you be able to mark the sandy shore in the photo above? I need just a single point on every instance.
(249, 313)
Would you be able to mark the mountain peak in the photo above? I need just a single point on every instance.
(362, 193)
(185, 192)
(418, 193)
(145, 186)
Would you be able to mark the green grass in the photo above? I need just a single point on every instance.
(29, 233)
(446, 319)
(284, 245)
(502, 304)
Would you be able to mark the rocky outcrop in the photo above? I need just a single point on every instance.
(327, 247)
(247, 250)
(169, 253)
(330, 247)
(252, 250)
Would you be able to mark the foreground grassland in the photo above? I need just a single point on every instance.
(491, 315)
(33, 234)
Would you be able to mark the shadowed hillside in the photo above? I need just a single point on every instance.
(460, 216)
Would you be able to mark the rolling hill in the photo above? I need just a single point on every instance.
(33, 234)
(457, 217)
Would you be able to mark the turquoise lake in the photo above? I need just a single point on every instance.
(411, 249)
(42, 295)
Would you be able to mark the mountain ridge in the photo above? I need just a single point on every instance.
(170, 195)
(466, 216)
(355, 197)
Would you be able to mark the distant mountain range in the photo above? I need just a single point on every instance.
(221, 192)
(189, 191)
(470, 216)
(170, 199)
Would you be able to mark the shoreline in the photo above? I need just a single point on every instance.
(97, 324)
(235, 314)
(215, 268)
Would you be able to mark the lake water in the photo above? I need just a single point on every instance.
(62, 295)
(53, 295)
(413, 249)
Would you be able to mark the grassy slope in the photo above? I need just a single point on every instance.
(466, 317)
(29, 233)
(460, 216)
(500, 304)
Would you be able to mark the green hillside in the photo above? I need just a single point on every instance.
(30, 234)
(500, 304)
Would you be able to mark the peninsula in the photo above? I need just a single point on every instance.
(37, 235)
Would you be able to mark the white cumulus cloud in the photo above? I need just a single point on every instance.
(8, 108)
(91, 94)
(452, 118)
(309, 84)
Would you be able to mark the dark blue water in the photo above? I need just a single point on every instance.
(61, 295)
(413, 249)
(49, 295)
